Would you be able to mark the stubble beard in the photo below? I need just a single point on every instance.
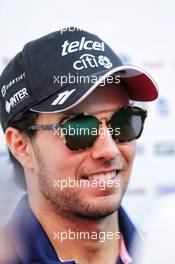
(70, 202)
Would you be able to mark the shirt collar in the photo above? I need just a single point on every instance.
(124, 255)
(32, 244)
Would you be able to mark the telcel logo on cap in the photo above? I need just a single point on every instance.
(86, 60)
(80, 45)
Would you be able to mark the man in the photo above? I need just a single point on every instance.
(68, 121)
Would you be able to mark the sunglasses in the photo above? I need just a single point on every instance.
(81, 130)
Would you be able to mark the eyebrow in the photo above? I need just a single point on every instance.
(74, 113)
(67, 114)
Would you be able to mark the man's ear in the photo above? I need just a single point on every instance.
(20, 146)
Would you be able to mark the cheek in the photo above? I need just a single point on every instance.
(128, 151)
(57, 159)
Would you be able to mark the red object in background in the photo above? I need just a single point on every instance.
(5, 60)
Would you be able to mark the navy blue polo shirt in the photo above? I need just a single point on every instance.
(30, 244)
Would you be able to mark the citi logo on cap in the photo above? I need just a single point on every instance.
(88, 60)
(83, 44)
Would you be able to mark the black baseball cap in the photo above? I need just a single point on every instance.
(56, 72)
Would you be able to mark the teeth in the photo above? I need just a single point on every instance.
(104, 176)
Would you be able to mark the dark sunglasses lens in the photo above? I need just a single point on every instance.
(80, 132)
(129, 121)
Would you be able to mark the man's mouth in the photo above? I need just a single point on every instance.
(102, 176)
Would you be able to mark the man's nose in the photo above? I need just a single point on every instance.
(105, 147)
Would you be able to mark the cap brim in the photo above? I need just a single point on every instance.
(140, 86)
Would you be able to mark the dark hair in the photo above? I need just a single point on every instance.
(22, 122)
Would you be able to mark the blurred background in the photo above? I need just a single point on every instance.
(143, 33)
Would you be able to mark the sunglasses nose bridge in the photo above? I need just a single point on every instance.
(105, 147)
(105, 121)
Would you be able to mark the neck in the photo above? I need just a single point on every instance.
(88, 240)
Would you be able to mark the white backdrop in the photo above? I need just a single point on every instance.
(142, 32)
